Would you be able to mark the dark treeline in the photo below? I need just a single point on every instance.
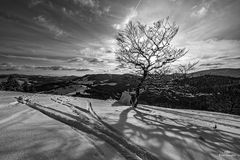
(208, 92)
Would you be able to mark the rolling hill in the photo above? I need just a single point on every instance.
(202, 91)
(227, 72)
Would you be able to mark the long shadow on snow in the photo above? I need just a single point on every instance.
(198, 117)
(118, 142)
(212, 139)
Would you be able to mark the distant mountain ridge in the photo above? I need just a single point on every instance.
(213, 90)
(228, 72)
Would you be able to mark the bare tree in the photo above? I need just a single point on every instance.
(185, 69)
(147, 49)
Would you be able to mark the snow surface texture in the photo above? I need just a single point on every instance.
(170, 134)
(27, 134)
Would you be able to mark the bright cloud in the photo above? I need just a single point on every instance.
(209, 51)
(81, 33)
(58, 32)
(200, 13)
(127, 19)
(88, 3)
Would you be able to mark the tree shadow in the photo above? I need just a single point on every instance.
(178, 133)
(191, 115)
(92, 127)
(116, 104)
(54, 141)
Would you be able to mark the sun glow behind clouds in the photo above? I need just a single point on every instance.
(129, 17)
(80, 33)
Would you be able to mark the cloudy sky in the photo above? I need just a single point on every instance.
(76, 37)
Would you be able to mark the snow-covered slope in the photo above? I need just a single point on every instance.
(169, 134)
(27, 134)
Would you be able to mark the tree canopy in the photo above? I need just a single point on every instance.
(147, 49)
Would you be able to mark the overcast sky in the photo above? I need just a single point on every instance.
(76, 37)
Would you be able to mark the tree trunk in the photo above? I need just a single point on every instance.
(135, 103)
(231, 108)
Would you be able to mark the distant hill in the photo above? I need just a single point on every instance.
(101, 86)
(206, 90)
(228, 72)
